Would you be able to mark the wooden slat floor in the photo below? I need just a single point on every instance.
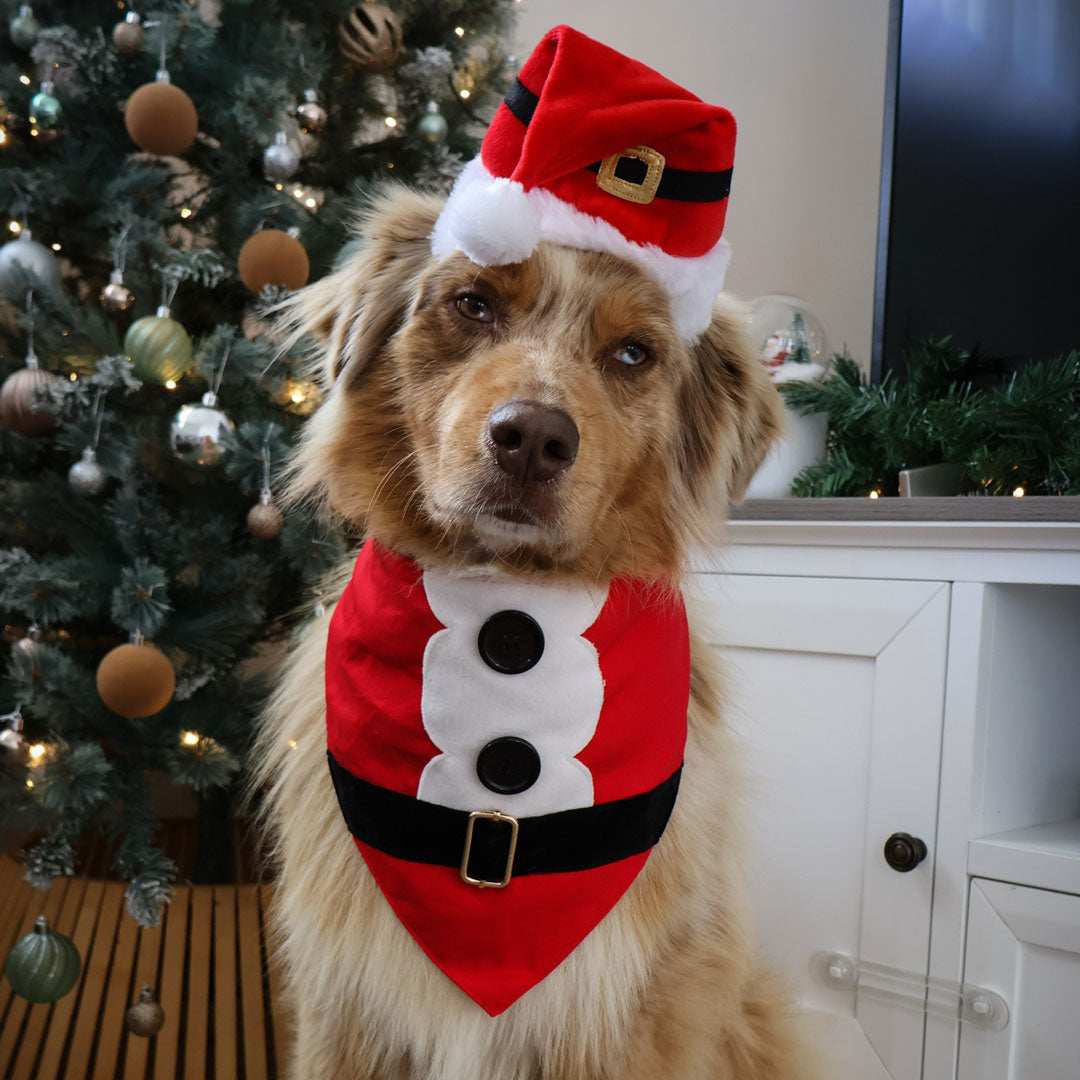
(208, 962)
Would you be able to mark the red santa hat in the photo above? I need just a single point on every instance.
(593, 150)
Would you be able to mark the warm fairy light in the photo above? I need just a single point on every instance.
(298, 193)
(3, 136)
(14, 227)
(73, 377)
(292, 744)
(465, 94)
(1018, 493)
(391, 121)
(34, 132)
(55, 247)
(296, 397)
(310, 204)
(170, 384)
(29, 783)
(279, 186)
(875, 494)
(37, 751)
(186, 212)
(190, 738)
(24, 79)
(459, 30)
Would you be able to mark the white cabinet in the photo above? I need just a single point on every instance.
(920, 679)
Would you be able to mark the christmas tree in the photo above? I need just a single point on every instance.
(166, 175)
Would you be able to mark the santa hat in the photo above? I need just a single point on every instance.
(593, 150)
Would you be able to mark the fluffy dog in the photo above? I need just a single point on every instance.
(419, 354)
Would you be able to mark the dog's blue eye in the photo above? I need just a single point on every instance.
(475, 308)
(632, 354)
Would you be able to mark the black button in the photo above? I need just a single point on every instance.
(508, 765)
(511, 642)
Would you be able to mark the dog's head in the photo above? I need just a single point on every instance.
(544, 414)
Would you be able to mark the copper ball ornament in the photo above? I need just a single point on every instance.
(136, 680)
(273, 257)
(161, 118)
(146, 1017)
(264, 521)
(370, 37)
(128, 35)
(21, 407)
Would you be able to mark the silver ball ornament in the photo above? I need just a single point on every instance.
(86, 476)
(311, 114)
(44, 107)
(197, 432)
(128, 35)
(280, 160)
(12, 740)
(23, 262)
(24, 28)
(116, 297)
(433, 125)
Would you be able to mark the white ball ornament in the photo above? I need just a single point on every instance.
(433, 125)
(280, 161)
(24, 28)
(86, 476)
(24, 262)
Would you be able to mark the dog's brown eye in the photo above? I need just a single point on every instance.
(632, 354)
(475, 307)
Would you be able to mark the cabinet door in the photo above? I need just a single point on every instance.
(1024, 944)
(837, 689)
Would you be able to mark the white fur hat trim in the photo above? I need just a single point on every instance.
(495, 222)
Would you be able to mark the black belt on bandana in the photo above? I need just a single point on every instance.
(489, 847)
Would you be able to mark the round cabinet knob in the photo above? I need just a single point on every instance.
(511, 642)
(904, 852)
(508, 765)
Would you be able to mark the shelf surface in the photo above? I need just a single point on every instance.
(1043, 856)
(1036, 508)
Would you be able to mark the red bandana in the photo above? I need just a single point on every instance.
(480, 692)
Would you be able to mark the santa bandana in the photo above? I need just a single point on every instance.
(505, 753)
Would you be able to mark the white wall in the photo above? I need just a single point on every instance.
(805, 80)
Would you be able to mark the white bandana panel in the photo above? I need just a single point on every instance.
(466, 704)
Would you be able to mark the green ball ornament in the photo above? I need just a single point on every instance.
(159, 347)
(24, 28)
(44, 965)
(433, 125)
(44, 107)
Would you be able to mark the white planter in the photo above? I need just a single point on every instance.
(803, 444)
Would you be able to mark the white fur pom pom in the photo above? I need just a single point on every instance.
(491, 220)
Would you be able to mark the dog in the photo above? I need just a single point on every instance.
(642, 441)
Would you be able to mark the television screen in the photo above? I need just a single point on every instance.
(983, 203)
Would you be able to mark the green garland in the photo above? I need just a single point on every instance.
(1020, 431)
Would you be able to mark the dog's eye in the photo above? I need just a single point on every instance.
(632, 354)
(475, 307)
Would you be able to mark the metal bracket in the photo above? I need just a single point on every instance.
(974, 1005)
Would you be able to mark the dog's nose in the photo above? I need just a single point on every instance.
(532, 442)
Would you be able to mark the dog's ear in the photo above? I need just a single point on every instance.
(352, 312)
(730, 413)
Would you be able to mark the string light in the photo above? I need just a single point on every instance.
(55, 247)
(73, 377)
(29, 783)
(170, 384)
(391, 121)
(875, 494)
(186, 212)
(296, 397)
(465, 95)
(15, 227)
(37, 751)
(3, 136)
(34, 132)
(24, 79)
(1018, 493)
(459, 30)
(279, 186)
(190, 738)
(310, 203)
(298, 193)
(292, 744)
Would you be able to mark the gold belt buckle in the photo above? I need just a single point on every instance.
(489, 815)
(644, 192)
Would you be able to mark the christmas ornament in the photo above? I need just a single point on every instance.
(311, 114)
(791, 337)
(146, 1017)
(159, 347)
(20, 406)
(44, 965)
(128, 35)
(280, 160)
(12, 740)
(29, 643)
(370, 37)
(273, 257)
(24, 28)
(86, 476)
(494, 662)
(23, 262)
(136, 680)
(44, 106)
(197, 432)
(433, 125)
(264, 519)
(116, 297)
(161, 118)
